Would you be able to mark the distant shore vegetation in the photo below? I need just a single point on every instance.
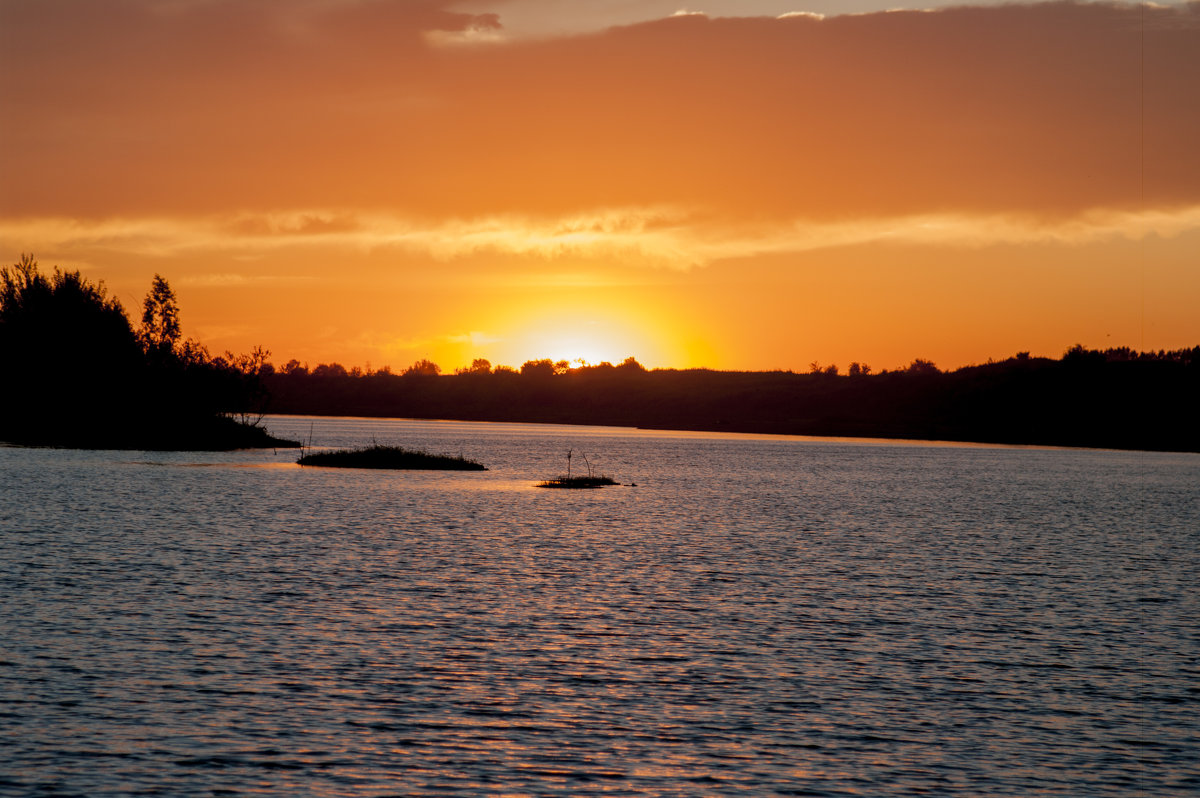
(79, 374)
(390, 457)
(1111, 398)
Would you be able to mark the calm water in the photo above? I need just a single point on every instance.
(757, 616)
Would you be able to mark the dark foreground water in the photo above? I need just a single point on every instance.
(757, 616)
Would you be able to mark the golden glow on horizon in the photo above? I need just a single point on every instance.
(883, 302)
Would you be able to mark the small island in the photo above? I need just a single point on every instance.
(577, 482)
(391, 457)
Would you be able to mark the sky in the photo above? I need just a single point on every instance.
(759, 184)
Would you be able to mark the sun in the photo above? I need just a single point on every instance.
(600, 324)
(590, 341)
(584, 334)
(582, 350)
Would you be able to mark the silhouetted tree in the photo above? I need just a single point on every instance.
(630, 364)
(538, 368)
(1080, 356)
(922, 367)
(330, 370)
(252, 363)
(160, 331)
(246, 372)
(479, 365)
(859, 369)
(423, 368)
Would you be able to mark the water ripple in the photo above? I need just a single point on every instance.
(758, 616)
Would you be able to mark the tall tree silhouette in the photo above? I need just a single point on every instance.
(160, 332)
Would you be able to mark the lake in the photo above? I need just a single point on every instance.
(759, 615)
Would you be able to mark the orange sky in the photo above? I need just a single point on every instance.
(377, 181)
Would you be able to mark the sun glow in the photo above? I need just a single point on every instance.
(590, 338)
(590, 332)
(580, 350)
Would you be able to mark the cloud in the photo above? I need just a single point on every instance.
(136, 109)
(649, 237)
(230, 280)
(471, 37)
(474, 339)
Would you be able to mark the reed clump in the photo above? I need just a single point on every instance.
(578, 482)
(393, 457)
(592, 480)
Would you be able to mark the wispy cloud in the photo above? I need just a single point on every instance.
(652, 237)
(474, 339)
(234, 280)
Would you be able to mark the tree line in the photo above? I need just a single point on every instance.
(427, 368)
(1116, 398)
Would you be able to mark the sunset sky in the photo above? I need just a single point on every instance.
(749, 184)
